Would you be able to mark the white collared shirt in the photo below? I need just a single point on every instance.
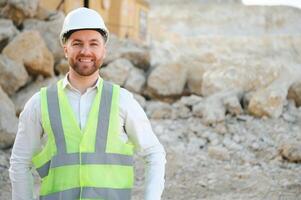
(134, 126)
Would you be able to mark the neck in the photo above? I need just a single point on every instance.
(82, 83)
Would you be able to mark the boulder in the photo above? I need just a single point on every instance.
(241, 72)
(195, 77)
(294, 93)
(30, 49)
(8, 121)
(269, 101)
(135, 81)
(196, 70)
(180, 110)
(7, 32)
(211, 110)
(43, 13)
(114, 46)
(117, 71)
(232, 104)
(220, 78)
(138, 56)
(19, 99)
(290, 151)
(214, 108)
(140, 99)
(13, 75)
(167, 80)
(158, 110)
(50, 31)
(162, 53)
(191, 100)
(19, 10)
(62, 67)
(120, 48)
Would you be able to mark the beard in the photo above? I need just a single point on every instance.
(84, 69)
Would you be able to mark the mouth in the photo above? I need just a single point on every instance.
(85, 60)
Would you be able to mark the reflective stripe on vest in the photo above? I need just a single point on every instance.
(99, 157)
(89, 193)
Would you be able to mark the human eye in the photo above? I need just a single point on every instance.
(95, 44)
(76, 44)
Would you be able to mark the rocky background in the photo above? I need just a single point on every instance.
(219, 81)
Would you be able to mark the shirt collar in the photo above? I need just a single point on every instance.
(66, 83)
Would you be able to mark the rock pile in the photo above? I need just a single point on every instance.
(223, 100)
(225, 77)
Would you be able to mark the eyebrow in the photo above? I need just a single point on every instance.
(92, 40)
(76, 40)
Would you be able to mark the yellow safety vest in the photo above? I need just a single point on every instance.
(92, 163)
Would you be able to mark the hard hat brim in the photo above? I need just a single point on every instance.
(66, 35)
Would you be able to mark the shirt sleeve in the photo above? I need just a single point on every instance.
(27, 142)
(139, 131)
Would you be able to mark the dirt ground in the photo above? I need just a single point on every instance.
(244, 171)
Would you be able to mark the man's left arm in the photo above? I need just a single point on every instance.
(139, 131)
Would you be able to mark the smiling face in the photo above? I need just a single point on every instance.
(85, 51)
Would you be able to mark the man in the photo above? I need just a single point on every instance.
(80, 134)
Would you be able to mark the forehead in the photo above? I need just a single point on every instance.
(86, 35)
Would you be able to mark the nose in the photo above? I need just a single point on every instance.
(85, 50)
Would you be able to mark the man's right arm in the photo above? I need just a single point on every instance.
(26, 144)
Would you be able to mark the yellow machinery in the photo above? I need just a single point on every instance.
(124, 18)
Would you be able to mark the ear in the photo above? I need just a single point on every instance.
(65, 50)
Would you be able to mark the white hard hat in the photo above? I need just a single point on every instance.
(83, 18)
